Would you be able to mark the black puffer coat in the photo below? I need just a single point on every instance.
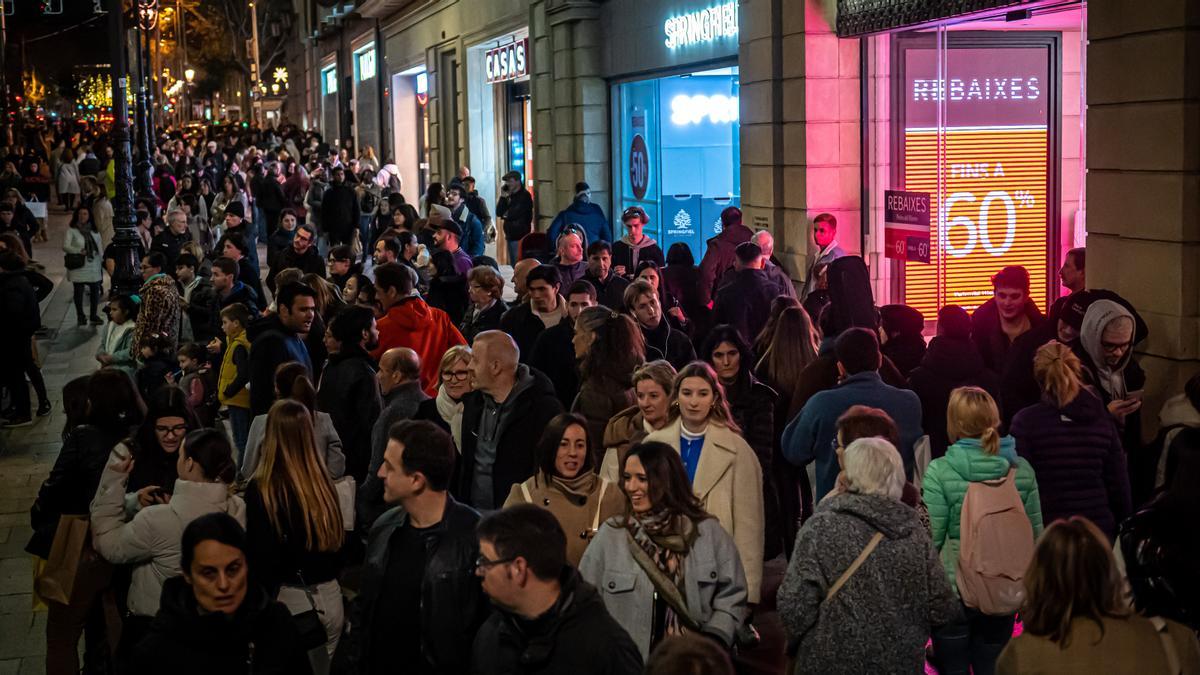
(71, 484)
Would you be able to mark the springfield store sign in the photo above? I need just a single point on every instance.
(715, 23)
(507, 62)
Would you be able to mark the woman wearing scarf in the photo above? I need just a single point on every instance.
(666, 566)
(455, 384)
(567, 485)
(83, 262)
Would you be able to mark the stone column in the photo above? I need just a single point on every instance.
(1143, 181)
(570, 102)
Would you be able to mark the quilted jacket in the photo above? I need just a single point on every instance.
(945, 487)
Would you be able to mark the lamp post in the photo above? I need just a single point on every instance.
(126, 244)
(189, 74)
(143, 176)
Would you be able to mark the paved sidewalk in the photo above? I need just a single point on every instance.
(26, 457)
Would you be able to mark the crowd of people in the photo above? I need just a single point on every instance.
(320, 439)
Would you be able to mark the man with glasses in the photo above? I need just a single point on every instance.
(420, 602)
(1109, 331)
(547, 618)
(302, 255)
(399, 379)
(341, 265)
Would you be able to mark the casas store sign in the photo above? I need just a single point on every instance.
(507, 62)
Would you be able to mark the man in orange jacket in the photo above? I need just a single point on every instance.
(409, 322)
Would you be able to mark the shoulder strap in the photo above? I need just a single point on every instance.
(1168, 645)
(525, 493)
(862, 557)
(599, 505)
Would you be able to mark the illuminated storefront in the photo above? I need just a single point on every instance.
(985, 116)
(499, 110)
(675, 131)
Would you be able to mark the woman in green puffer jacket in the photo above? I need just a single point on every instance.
(978, 453)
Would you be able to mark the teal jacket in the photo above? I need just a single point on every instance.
(945, 487)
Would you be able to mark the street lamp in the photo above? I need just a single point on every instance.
(126, 243)
(189, 74)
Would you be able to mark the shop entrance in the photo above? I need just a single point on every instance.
(410, 122)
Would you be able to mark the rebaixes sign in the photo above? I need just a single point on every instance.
(507, 62)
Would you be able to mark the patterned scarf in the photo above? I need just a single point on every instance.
(665, 540)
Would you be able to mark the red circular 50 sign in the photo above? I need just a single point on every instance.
(639, 167)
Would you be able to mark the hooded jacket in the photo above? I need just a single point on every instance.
(949, 363)
(629, 254)
(349, 392)
(720, 254)
(271, 344)
(576, 636)
(426, 330)
(151, 538)
(1077, 455)
(159, 313)
(714, 585)
(945, 486)
(521, 419)
(989, 336)
(238, 293)
(259, 639)
(881, 618)
(585, 214)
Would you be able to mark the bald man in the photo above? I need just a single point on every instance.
(400, 383)
(510, 402)
(520, 272)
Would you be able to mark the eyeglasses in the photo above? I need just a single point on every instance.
(482, 563)
(1113, 347)
(177, 430)
(457, 375)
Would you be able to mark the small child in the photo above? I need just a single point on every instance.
(115, 342)
(195, 379)
(235, 372)
(158, 365)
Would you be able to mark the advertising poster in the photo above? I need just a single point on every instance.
(906, 225)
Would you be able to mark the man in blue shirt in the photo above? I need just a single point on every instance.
(812, 435)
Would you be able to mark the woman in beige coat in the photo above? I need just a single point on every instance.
(652, 384)
(724, 471)
(566, 484)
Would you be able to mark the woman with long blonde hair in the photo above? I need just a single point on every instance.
(977, 453)
(1073, 444)
(294, 524)
(721, 465)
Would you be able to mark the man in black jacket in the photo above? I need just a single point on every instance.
(339, 209)
(516, 208)
(302, 255)
(278, 339)
(745, 302)
(170, 241)
(22, 318)
(610, 287)
(554, 351)
(662, 341)
(544, 309)
(420, 599)
(547, 618)
(199, 299)
(511, 404)
(349, 391)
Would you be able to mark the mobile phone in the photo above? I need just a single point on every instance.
(1135, 395)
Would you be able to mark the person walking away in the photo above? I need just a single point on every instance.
(523, 569)
(720, 255)
(842, 577)
(292, 382)
(68, 179)
(83, 261)
(409, 322)
(213, 603)
(981, 467)
(294, 526)
(1073, 446)
(584, 214)
(420, 596)
(608, 348)
(635, 246)
(566, 484)
(18, 302)
(652, 561)
(1076, 619)
(745, 302)
(515, 207)
(901, 336)
(339, 209)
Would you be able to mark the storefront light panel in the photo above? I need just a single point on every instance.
(994, 161)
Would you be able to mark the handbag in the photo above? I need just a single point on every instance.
(57, 579)
(346, 489)
(308, 623)
(73, 261)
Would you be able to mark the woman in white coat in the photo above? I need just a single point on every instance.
(150, 541)
(723, 469)
(68, 179)
(84, 262)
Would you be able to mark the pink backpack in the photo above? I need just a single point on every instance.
(995, 546)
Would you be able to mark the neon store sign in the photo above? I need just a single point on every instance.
(703, 26)
(993, 153)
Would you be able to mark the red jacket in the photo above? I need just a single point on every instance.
(426, 330)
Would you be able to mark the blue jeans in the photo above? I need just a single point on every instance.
(512, 251)
(239, 425)
(364, 235)
(971, 645)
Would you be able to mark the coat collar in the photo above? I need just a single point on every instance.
(716, 457)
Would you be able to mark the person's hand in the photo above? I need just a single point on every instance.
(678, 314)
(104, 359)
(214, 346)
(170, 378)
(619, 270)
(121, 461)
(1122, 407)
(151, 495)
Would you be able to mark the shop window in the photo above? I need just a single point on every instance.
(678, 153)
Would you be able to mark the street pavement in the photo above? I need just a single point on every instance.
(26, 457)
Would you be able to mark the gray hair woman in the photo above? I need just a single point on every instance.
(853, 573)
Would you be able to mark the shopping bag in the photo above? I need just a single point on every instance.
(346, 490)
(38, 209)
(66, 557)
